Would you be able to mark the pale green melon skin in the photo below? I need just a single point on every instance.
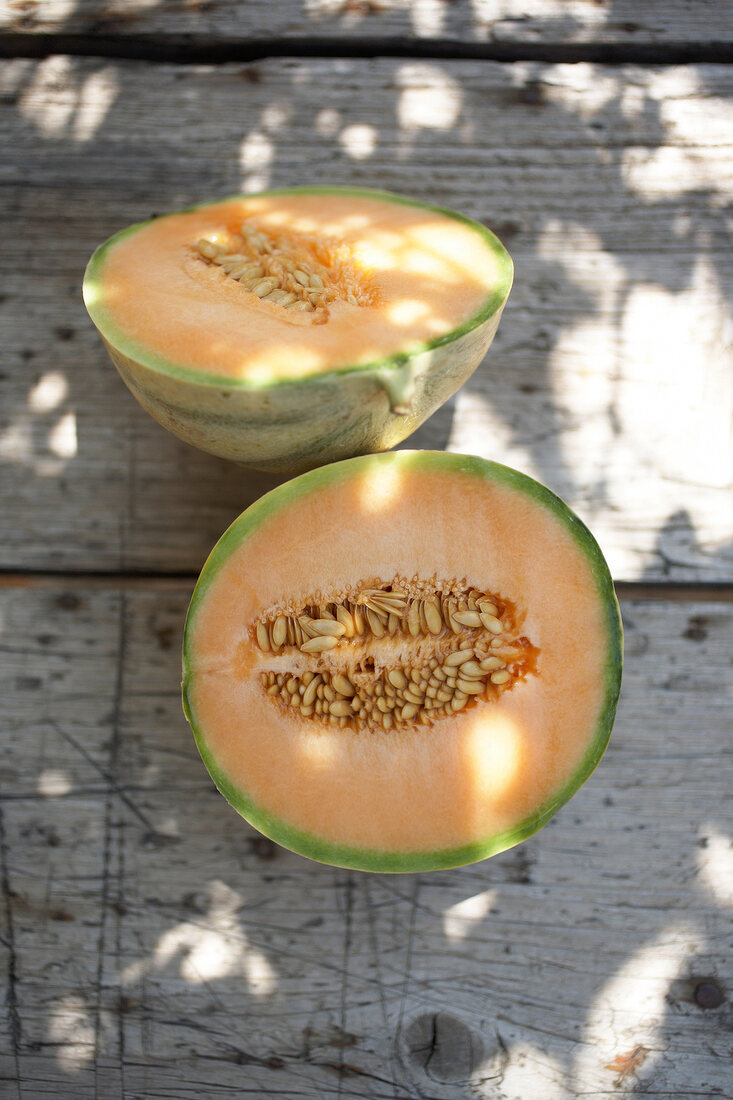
(290, 426)
(293, 427)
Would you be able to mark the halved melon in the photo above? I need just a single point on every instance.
(292, 328)
(404, 661)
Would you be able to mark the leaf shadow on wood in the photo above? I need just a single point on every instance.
(595, 273)
(507, 995)
(535, 973)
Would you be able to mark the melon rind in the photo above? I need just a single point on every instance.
(325, 851)
(291, 425)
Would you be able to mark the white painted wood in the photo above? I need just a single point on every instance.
(610, 378)
(657, 22)
(159, 948)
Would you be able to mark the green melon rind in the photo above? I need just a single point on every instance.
(133, 349)
(325, 851)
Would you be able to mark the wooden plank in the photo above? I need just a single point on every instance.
(610, 378)
(160, 948)
(520, 22)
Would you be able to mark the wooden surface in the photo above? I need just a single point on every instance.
(611, 377)
(500, 22)
(160, 948)
(155, 947)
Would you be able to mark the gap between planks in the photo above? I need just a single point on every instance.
(212, 51)
(684, 592)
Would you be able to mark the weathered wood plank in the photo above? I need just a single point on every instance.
(161, 949)
(659, 22)
(610, 378)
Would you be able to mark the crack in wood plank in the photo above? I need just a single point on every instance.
(114, 748)
(349, 908)
(14, 1024)
(203, 50)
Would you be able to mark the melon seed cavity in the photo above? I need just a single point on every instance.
(296, 271)
(387, 656)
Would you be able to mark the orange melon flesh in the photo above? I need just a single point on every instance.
(429, 272)
(419, 796)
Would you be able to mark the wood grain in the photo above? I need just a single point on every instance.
(158, 947)
(521, 22)
(610, 378)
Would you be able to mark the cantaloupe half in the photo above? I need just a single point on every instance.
(293, 328)
(403, 661)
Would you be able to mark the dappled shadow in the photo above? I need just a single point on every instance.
(592, 177)
(567, 966)
(571, 964)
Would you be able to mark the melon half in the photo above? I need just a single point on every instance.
(403, 662)
(293, 328)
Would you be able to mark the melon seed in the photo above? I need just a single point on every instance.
(365, 688)
(457, 657)
(319, 645)
(310, 691)
(492, 623)
(470, 687)
(347, 622)
(433, 617)
(471, 671)
(279, 631)
(375, 623)
(328, 627)
(341, 709)
(468, 618)
(343, 685)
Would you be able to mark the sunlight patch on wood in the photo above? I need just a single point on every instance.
(624, 388)
(430, 98)
(53, 783)
(525, 1071)
(715, 865)
(58, 105)
(255, 158)
(629, 1010)
(459, 919)
(48, 392)
(582, 89)
(96, 96)
(212, 948)
(62, 440)
(359, 140)
(328, 121)
(71, 1029)
(427, 17)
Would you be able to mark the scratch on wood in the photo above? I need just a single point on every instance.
(12, 994)
(119, 906)
(408, 951)
(113, 786)
(108, 829)
(349, 893)
(375, 950)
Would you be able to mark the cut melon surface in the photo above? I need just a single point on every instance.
(403, 662)
(295, 327)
